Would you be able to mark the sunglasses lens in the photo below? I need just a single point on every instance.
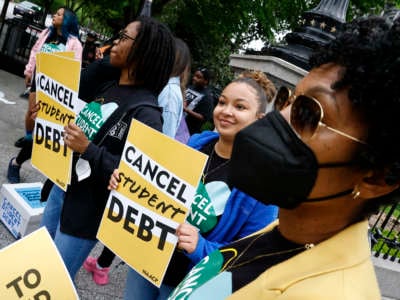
(305, 116)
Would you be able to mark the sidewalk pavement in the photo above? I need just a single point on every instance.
(12, 111)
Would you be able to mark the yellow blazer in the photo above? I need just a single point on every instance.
(339, 268)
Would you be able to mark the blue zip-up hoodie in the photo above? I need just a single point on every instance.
(242, 216)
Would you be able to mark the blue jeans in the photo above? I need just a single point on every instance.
(52, 210)
(137, 287)
(73, 250)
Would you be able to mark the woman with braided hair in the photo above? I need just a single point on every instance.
(144, 52)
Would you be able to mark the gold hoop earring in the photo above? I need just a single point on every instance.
(355, 193)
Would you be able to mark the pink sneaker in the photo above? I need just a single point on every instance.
(90, 264)
(100, 276)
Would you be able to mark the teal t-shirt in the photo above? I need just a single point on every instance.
(55, 44)
(92, 117)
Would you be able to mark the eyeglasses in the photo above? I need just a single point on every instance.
(123, 36)
(306, 116)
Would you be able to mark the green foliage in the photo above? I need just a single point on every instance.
(359, 8)
(213, 29)
(103, 16)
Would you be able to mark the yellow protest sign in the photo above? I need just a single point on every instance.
(159, 177)
(57, 85)
(32, 268)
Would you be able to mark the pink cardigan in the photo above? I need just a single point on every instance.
(73, 44)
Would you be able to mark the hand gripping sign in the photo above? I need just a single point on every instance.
(159, 177)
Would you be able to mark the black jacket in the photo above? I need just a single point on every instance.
(85, 200)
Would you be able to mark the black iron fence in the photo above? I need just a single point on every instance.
(17, 37)
(385, 233)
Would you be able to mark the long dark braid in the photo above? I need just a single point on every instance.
(153, 54)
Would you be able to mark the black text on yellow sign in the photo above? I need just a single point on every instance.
(153, 197)
(55, 90)
(27, 283)
(32, 269)
(144, 193)
(130, 216)
(161, 178)
(50, 136)
(55, 113)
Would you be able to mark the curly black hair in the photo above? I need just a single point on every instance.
(152, 54)
(369, 50)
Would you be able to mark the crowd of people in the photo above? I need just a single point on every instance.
(291, 175)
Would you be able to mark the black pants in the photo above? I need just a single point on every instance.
(25, 153)
(106, 258)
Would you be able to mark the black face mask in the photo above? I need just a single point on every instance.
(270, 163)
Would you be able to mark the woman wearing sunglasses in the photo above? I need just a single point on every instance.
(144, 72)
(328, 160)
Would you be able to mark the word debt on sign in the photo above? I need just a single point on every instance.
(51, 137)
(146, 225)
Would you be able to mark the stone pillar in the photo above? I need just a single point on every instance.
(285, 64)
(317, 27)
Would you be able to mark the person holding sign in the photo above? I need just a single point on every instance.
(220, 213)
(171, 100)
(328, 160)
(144, 72)
(62, 35)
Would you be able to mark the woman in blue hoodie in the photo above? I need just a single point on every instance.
(220, 213)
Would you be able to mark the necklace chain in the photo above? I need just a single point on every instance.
(207, 171)
(233, 262)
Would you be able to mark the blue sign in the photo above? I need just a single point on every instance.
(11, 217)
(31, 195)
